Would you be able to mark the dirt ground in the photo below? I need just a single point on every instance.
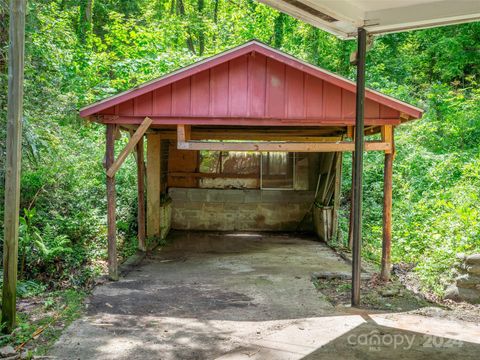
(250, 296)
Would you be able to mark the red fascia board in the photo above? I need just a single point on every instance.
(253, 46)
(241, 121)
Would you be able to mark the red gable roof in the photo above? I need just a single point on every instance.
(252, 84)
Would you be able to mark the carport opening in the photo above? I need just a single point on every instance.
(253, 191)
(296, 118)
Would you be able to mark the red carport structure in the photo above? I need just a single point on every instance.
(252, 98)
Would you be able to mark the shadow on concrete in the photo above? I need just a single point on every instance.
(224, 276)
(373, 341)
(240, 296)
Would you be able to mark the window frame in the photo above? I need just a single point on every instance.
(293, 172)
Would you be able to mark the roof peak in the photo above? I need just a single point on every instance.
(238, 51)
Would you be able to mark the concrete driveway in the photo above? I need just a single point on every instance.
(244, 296)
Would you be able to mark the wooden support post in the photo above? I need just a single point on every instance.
(387, 215)
(118, 133)
(13, 161)
(183, 133)
(350, 224)
(153, 184)
(337, 193)
(387, 137)
(111, 205)
(350, 132)
(141, 195)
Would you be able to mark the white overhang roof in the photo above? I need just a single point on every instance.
(343, 17)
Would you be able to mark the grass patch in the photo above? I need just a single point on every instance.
(41, 319)
(375, 295)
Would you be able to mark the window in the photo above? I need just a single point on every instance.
(230, 162)
(277, 170)
(210, 162)
(253, 170)
(229, 170)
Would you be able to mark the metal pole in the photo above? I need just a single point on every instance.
(358, 166)
(13, 161)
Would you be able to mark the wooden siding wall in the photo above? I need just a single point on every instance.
(252, 86)
(182, 161)
(164, 151)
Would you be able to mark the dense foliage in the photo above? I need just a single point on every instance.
(81, 51)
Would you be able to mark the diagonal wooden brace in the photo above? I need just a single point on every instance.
(129, 147)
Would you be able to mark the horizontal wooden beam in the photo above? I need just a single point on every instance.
(131, 128)
(184, 142)
(242, 121)
(214, 175)
(341, 146)
(129, 147)
(251, 135)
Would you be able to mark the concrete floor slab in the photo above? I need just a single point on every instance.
(238, 296)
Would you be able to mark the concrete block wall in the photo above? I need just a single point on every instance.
(165, 219)
(240, 210)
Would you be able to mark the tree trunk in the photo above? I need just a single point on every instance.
(89, 11)
(201, 34)
(85, 19)
(278, 30)
(215, 12)
(181, 12)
